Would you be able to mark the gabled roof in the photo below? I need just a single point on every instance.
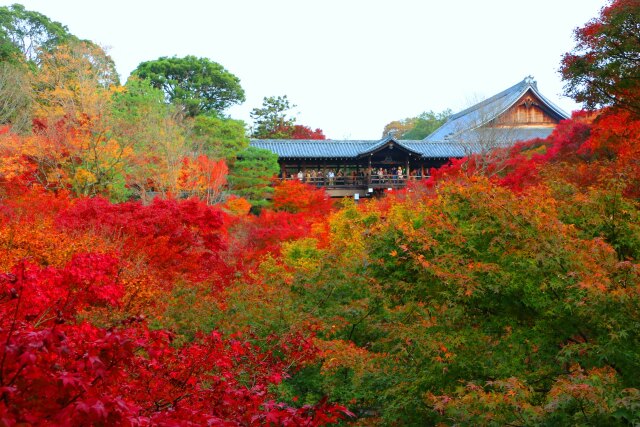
(385, 142)
(489, 109)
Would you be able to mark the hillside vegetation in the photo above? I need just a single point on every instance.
(504, 290)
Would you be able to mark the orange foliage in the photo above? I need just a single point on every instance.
(297, 197)
(237, 205)
(204, 177)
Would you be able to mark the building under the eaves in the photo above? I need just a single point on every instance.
(348, 167)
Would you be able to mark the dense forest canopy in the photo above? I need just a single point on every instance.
(504, 290)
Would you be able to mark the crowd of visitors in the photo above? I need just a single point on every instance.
(394, 175)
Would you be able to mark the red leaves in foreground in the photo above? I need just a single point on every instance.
(54, 372)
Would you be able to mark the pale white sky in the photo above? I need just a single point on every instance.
(351, 66)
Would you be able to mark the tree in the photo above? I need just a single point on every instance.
(74, 81)
(297, 197)
(252, 173)
(23, 33)
(305, 132)
(204, 177)
(417, 127)
(220, 138)
(426, 123)
(199, 85)
(271, 121)
(72, 91)
(15, 96)
(397, 128)
(604, 67)
(71, 146)
(157, 133)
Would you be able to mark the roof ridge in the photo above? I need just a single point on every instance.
(521, 86)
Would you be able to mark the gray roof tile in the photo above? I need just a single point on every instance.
(302, 148)
(313, 148)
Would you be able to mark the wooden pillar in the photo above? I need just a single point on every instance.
(406, 173)
(324, 172)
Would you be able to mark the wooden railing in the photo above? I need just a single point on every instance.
(374, 181)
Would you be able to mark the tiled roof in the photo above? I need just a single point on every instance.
(303, 148)
(313, 148)
(487, 110)
(503, 135)
(442, 150)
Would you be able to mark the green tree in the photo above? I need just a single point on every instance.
(272, 117)
(23, 33)
(220, 138)
(199, 85)
(417, 127)
(156, 133)
(604, 67)
(252, 173)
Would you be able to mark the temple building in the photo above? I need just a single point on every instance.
(363, 167)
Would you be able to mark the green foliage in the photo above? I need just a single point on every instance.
(604, 213)
(271, 117)
(220, 138)
(23, 33)
(199, 85)
(426, 123)
(417, 127)
(187, 323)
(252, 173)
(137, 112)
(137, 101)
